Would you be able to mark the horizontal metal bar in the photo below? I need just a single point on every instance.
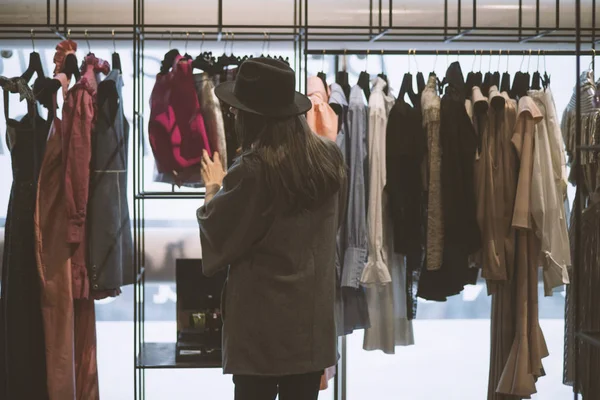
(170, 196)
(311, 27)
(433, 52)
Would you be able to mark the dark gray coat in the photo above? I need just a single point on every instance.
(279, 302)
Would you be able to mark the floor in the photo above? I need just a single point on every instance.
(449, 362)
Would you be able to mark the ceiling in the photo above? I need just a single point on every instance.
(321, 12)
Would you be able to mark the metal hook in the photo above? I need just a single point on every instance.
(202, 43)
(474, 59)
(382, 63)
(435, 60)
(187, 38)
(69, 34)
(415, 57)
(545, 61)
(225, 45)
(490, 63)
(114, 43)
(538, 60)
(522, 61)
(323, 61)
(268, 42)
(32, 40)
(529, 60)
(480, 60)
(232, 42)
(409, 65)
(264, 44)
(457, 56)
(507, 57)
(367, 61)
(170, 40)
(87, 41)
(499, 57)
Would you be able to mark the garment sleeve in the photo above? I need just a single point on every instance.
(376, 270)
(355, 253)
(77, 129)
(232, 221)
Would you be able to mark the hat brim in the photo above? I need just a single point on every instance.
(301, 104)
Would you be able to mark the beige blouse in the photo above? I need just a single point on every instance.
(430, 104)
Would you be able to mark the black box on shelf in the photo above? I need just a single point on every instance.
(199, 322)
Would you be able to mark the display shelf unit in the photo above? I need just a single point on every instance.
(374, 38)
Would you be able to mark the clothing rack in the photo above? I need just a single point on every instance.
(300, 34)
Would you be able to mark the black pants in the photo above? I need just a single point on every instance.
(291, 387)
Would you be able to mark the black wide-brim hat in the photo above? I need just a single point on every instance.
(264, 86)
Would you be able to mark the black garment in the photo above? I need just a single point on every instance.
(22, 347)
(406, 148)
(461, 231)
(292, 387)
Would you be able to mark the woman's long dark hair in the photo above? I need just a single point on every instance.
(302, 170)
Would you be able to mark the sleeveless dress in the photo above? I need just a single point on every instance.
(22, 355)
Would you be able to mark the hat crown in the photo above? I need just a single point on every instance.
(264, 83)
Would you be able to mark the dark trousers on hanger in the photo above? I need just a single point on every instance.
(291, 387)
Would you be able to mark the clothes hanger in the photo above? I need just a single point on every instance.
(35, 63)
(546, 78)
(116, 58)
(383, 76)
(536, 82)
(505, 83)
(496, 75)
(420, 77)
(407, 85)
(169, 59)
(487, 80)
(471, 78)
(70, 67)
(204, 61)
(186, 55)
(85, 34)
(364, 79)
(321, 74)
(341, 77)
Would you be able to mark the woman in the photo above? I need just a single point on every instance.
(273, 221)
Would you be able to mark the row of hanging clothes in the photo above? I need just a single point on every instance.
(449, 180)
(68, 235)
(587, 307)
(186, 117)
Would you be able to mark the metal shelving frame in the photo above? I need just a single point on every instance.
(376, 38)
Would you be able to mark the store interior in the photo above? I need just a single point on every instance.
(445, 350)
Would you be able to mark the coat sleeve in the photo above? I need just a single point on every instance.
(77, 152)
(232, 221)
(355, 253)
(376, 271)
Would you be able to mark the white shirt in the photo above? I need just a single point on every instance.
(548, 190)
(377, 271)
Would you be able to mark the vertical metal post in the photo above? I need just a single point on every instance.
(445, 20)
(557, 14)
(537, 16)
(380, 14)
(220, 18)
(370, 18)
(306, 45)
(474, 14)
(57, 11)
(48, 12)
(65, 23)
(302, 80)
(391, 8)
(520, 19)
(578, 202)
(459, 17)
(594, 36)
(136, 240)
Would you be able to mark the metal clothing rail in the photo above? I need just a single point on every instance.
(527, 53)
